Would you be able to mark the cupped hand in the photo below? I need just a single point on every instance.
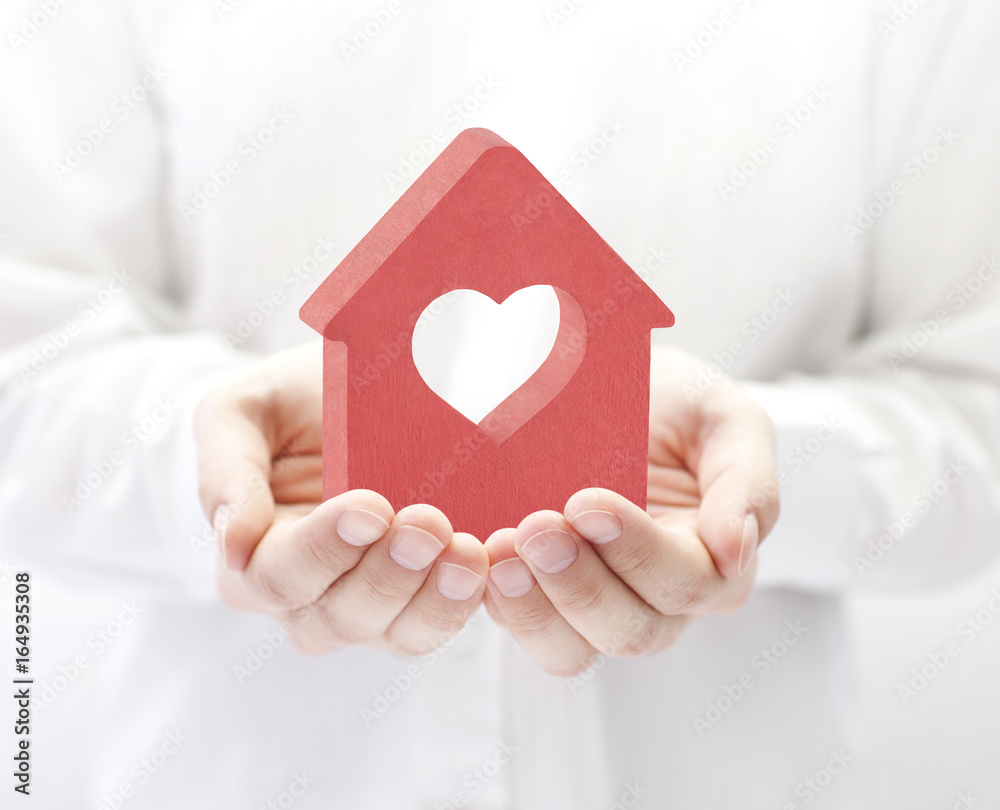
(343, 572)
(606, 577)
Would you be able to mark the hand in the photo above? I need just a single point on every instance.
(605, 576)
(345, 572)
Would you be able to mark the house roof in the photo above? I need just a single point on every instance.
(413, 206)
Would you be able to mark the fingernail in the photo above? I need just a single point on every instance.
(414, 548)
(598, 526)
(220, 522)
(359, 527)
(512, 577)
(552, 550)
(748, 545)
(456, 581)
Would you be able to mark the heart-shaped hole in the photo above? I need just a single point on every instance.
(499, 364)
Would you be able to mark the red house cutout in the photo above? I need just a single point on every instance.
(481, 217)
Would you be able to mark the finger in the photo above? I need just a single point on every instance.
(737, 477)
(234, 468)
(670, 569)
(297, 479)
(499, 547)
(602, 608)
(452, 591)
(513, 595)
(300, 556)
(273, 410)
(362, 604)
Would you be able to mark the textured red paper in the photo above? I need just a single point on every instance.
(482, 217)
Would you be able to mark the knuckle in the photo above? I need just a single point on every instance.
(634, 560)
(339, 631)
(534, 621)
(443, 619)
(345, 634)
(385, 587)
(683, 595)
(273, 588)
(322, 551)
(314, 641)
(638, 640)
(585, 596)
(302, 631)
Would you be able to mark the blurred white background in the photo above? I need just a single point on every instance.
(943, 741)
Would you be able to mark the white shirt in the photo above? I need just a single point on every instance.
(826, 186)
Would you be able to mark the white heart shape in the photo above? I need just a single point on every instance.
(474, 353)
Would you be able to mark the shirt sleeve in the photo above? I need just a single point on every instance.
(98, 374)
(889, 458)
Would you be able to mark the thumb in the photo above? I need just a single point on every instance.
(234, 472)
(738, 482)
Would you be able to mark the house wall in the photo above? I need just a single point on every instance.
(411, 446)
